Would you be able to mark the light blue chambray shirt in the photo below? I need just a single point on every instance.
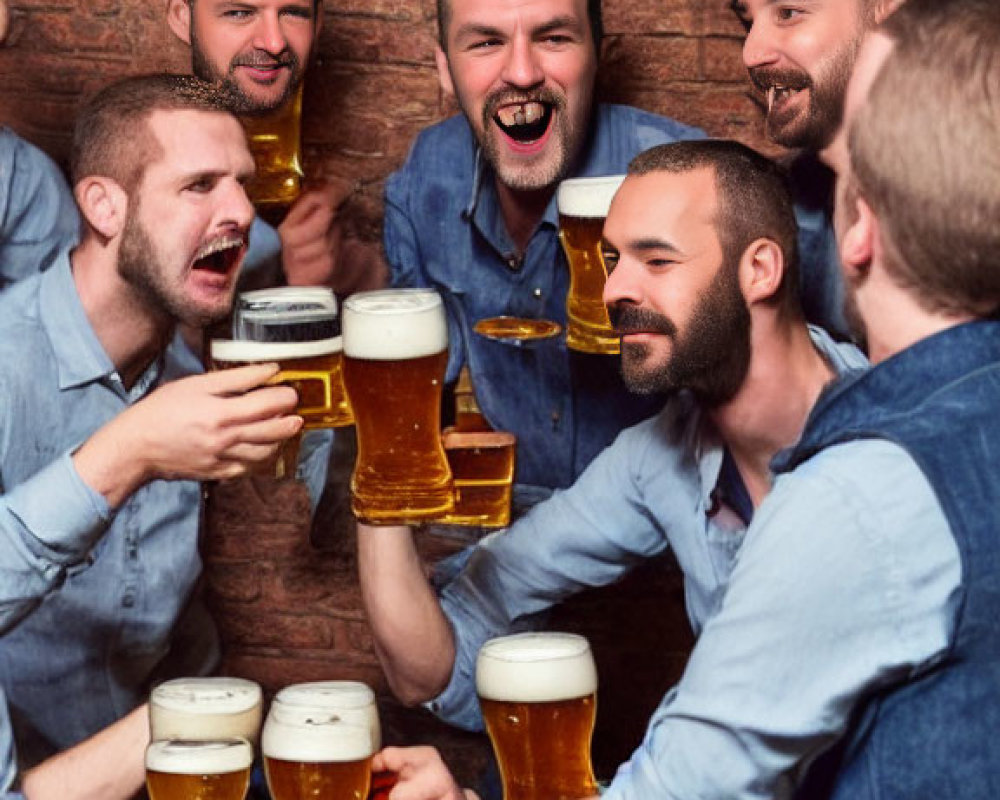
(94, 603)
(650, 490)
(38, 216)
(847, 580)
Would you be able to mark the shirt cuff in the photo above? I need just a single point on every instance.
(58, 509)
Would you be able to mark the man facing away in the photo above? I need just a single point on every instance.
(700, 243)
(472, 214)
(799, 56)
(101, 451)
(882, 626)
(258, 51)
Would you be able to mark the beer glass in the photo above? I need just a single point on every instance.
(538, 695)
(482, 466)
(205, 708)
(217, 769)
(350, 701)
(395, 354)
(323, 756)
(275, 142)
(583, 204)
(303, 320)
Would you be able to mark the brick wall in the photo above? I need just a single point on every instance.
(287, 597)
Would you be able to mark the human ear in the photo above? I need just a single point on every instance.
(444, 72)
(762, 268)
(857, 245)
(179, 19)
(104, 205)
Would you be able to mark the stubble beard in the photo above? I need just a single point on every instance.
(710, 358)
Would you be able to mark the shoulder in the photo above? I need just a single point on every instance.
(23, 339)
(441, 156)
(644, 127)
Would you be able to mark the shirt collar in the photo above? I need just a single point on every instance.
(79, 355)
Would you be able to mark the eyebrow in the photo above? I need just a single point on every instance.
(644, 245)
(484, 29)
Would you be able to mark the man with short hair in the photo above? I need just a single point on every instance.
(101, 450)
(700, 243)
(472, 214)
(800, 58)
(258, 51)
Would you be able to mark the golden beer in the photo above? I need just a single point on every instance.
(275, 141)
(482, 465)
(206, 770)
(395, 354)
(583, 204)
(326, 758)
(204, 709)
(538, 695)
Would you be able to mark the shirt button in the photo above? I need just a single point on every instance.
(537, 293)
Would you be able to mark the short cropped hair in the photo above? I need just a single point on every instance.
(925, 153)
(112, 138)
(755, 202)
(593, 15)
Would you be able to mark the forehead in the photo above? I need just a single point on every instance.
(677, 205)
(501, 12)
(192, 142)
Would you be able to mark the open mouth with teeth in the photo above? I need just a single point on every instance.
(524, 123)
(221, 256)
(778, 95)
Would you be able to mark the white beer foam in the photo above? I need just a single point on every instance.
(314, 743)
(536, 667)
(199, 758)
(275, 303)
(242, 351)
(587, 197)
(207, 695)
(394, 324)
(352, 702)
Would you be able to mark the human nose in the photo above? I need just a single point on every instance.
(621, 286)
(269, 36)
(237, 210)
(522, 68)
(759, 48)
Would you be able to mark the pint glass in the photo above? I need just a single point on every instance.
(395, 354)
(205, 708)
(304, 320)
(538, 695)
(327, 758)
(350, 701)
(275, 142)
(583, 204)
(482, 466)
(207, 770)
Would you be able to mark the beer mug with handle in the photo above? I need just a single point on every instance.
(538, 693)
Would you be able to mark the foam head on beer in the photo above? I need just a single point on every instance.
(587, 198)
(394, 324)
(243, 351)
(205, 708)
(188, 770)
(287, 314)
(536, 667)
(348, 701)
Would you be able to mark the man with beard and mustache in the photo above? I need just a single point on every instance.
(701, 246)
(472, 214)
(258, 52)
(800, 55)
(102, 446)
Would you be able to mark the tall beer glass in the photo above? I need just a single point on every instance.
(395, 354)
(275, 141)
(538, 694)
(303, 319)
(583, 204)
(327, 758)
(205, 708)
(207, 770)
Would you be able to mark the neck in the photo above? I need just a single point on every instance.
(130, 334)
(784, 379)
(522, 211)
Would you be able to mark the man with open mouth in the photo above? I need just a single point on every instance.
(472, 214)
(102, 446)
(799, 56)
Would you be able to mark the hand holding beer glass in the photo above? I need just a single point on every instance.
(583, 204)
(538, 693)
(217, 769)
(313, 753)
(395, 354)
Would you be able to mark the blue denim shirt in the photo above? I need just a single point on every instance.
(38, 215)
(443, 229)
(655, 487)
(94, 603)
